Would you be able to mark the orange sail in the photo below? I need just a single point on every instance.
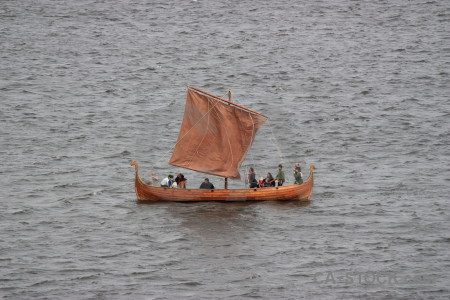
(215, 135)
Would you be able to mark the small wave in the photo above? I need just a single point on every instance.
(112, 255)
(123, 154)
(65, 202)
(63, 186)
(21, 212)
(87, 276)
(192, 283)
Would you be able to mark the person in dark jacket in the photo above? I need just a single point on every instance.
(181, 181)
(206, 184)
(252, 182)
(270, 178)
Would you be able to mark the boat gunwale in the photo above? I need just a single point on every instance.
(228, 190)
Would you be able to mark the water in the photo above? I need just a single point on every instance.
(358, 88)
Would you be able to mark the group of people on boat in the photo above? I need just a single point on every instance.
(271, 181)
(180, 181)
(169, 181)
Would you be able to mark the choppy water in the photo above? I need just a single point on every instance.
(358, 88)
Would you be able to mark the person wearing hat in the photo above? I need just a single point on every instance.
(280, 176)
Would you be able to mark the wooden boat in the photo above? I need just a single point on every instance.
(214, 138)
(302, 191)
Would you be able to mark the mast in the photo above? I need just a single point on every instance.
(229, 99)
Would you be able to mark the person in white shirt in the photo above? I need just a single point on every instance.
(167, 182)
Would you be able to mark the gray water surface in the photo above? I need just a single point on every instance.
(358, 88)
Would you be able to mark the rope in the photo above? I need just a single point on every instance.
(280, 153)
(165, 154)
(248, 148)
(229, 142)
(198, 146)
(251, 141)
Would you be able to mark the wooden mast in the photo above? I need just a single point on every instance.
(229, 99)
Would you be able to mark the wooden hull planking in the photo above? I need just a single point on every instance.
(299, 192)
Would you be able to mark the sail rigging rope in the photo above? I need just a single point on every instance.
(207, 126)
(251, 141)
(179, 140)
(280, 153)
(201, 142)
(229, 142)
(228, 138)
(173, 147)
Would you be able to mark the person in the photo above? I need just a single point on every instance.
(252, 178)
(267, 183)
(298, 176)
(153, 180)
(181, 181)
(261, 182)
(270, 179)
(206, 184)
(297, 167)
(171, 180)
(165, 182)
(280, 176)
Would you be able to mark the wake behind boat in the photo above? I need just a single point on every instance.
(214, 138)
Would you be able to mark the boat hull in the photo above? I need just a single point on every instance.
(298, 192)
